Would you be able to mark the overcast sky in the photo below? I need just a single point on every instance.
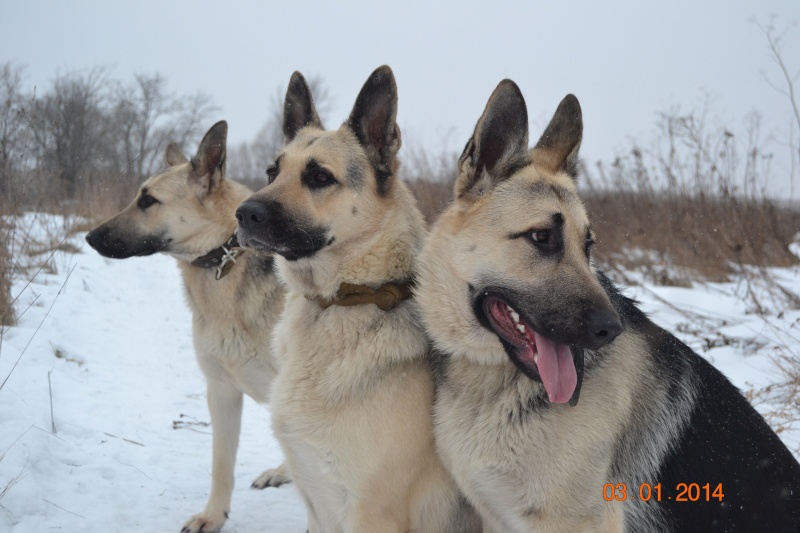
(624, 59)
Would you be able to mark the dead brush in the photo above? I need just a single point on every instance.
(779, 402)
(697, 201)
(430, 176)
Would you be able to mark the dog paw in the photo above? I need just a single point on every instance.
(274, 477)
(205, 523)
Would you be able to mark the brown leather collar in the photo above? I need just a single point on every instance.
(386, 297)
(222, 258)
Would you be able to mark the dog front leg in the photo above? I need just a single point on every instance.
(225, 407)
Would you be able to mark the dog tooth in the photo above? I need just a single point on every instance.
(515, 316)
(521, 328)
(536, 358)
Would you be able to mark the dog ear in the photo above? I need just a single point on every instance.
(499, 145)
(557, 149)
(373, 120)
(208, 166)
(174, 156)
(298, 108)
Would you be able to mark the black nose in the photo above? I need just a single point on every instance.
(95, 237)
(252, 214)
(604, 327)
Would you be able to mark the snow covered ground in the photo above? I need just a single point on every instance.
(101, 420)
(116, 351)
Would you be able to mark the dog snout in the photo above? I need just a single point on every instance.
(93, 238)
(96, 236)
(252, 214)
(603, 327)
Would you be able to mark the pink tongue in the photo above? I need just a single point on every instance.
(556, 368)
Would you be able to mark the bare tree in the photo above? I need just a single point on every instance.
(147, 117)
(12, 133)
(786, 86)
(68, 127)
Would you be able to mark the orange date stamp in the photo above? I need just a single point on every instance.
(684, 492)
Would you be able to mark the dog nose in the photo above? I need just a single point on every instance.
(95, 237)
(252, 214)
(604, 327)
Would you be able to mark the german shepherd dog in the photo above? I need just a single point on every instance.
(351, 406)
(188, 212)
(524, 324)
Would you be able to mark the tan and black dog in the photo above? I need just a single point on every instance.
(188, 212)
(560, 406)
(352, 404)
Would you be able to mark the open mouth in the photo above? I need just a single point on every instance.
(557, 366)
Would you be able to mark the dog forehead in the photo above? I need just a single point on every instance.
(169, 181)
(318, 145)
(531, 198)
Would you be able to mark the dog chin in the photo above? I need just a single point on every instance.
(125, 252)
(290, 254)
(254, 243)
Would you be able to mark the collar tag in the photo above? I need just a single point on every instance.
(227, 261)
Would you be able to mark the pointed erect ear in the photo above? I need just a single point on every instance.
(208, 166)
(298, 108)
(174, 155)
(499, 146)
(557, 149)
(373, 120)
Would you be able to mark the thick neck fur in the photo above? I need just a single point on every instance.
(384, 252)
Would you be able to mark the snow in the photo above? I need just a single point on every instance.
(127, 372)
(126, 447)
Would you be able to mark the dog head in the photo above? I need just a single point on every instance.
(330, 193)
(182, 211)
(507, 270)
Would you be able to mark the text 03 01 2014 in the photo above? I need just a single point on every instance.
(683, 492)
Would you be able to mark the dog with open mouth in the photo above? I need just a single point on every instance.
(560, 407)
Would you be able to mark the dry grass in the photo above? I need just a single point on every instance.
(432, 197)
(695, 203)
(430, 177)
(780, 401)
(673, 238)
(695, 236)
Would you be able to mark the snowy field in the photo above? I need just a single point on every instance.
(103, 419)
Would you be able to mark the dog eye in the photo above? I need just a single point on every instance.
(145, 201)
(548, 241)
(272, 173)
(322, 178)
(541, 236)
